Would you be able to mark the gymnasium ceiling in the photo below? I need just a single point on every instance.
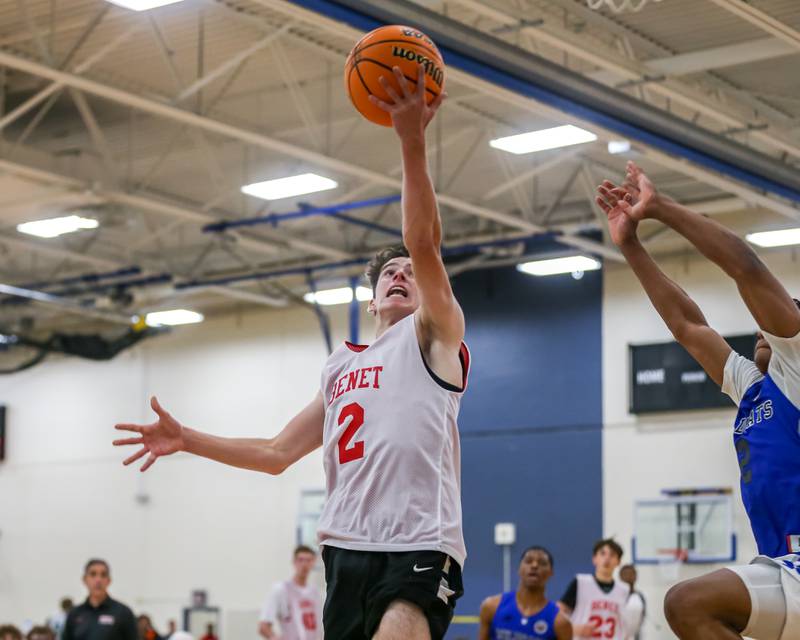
(151, 122)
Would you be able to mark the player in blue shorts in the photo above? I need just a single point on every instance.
(526, 613)
(762, 600)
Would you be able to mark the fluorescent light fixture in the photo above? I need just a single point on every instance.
(142, 5)
(338, 296)
(778, 238)
(544, 139)
(553, 266)
(289, 187)
(53, 227)
(173, 317)
(616, 147)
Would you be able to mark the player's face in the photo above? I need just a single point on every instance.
(97, 581)
(628, 575)
(304, 563)
(763, 353)
(396, 290)
(535, 569)
(605, 559)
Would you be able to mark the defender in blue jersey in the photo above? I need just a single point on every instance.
(526, 613)
(761, 600)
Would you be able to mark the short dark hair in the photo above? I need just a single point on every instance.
(797, 302)
(41, 631)
(10, 630)
(380, 259)
(611, 544)
(537, 547)
(303, 548)
(93, 562)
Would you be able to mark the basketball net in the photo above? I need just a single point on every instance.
(619, 6)
(670, 563)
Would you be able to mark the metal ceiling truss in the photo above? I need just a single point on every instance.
(64, 75)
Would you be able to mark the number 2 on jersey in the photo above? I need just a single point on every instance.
(599, 623)
(348, 453)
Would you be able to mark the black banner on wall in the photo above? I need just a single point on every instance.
(664, 377)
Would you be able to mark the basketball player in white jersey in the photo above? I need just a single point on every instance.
(294, 605)
(760, 600)
(386, 419)
(595, 603)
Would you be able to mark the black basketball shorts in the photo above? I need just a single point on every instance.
(362, 585)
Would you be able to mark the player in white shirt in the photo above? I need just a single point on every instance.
(294, 606)
(595, 603)
(385, 417)
(636, 606)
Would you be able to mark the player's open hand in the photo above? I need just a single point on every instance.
(643, 194)
(618, 205)
(409, 110)
(161, 438)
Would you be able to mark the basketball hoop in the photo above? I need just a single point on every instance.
(619, 6)
(670, 562)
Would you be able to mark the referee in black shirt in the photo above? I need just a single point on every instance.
(100, 617)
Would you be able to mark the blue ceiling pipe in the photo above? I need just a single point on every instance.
(88, 277)
(293, 271)
(144, 281)
(334, 211)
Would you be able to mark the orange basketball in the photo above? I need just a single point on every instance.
(375, 55)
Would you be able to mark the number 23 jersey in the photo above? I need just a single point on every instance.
(391, 448)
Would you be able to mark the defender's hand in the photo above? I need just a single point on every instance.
(161, 438)
(618, 206)
(410, 113)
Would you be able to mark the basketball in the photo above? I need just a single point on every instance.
(377, 53)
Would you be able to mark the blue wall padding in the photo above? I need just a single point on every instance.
(531, 424)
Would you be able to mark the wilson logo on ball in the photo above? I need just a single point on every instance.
(378, 54)
(431, 69)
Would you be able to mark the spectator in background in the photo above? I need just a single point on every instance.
(146, 630)
(635, 608)
(10, 632)
(57, 620)
(100, 617)
(41, 633)
(172, 627)
(294, 604)
(210, 635)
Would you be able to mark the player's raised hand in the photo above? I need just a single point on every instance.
(643, 194)
(160, 438)
(618, 205)
(409, 109)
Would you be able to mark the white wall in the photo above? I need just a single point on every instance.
(642, 455)
(65, 496)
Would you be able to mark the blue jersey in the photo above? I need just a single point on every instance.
(509, 624)
(767, 439)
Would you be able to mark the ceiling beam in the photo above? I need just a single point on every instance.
(720, 57)
(266, 142)
(762, 20)
(573, 44)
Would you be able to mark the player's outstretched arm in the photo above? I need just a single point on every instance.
(768, 302)
(488, 609)
(166, 436)
(441, 317)
(680, 313)
(563, 627)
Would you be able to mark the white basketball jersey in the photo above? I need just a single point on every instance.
(297, 610)
(391, 449)
(601, 610)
